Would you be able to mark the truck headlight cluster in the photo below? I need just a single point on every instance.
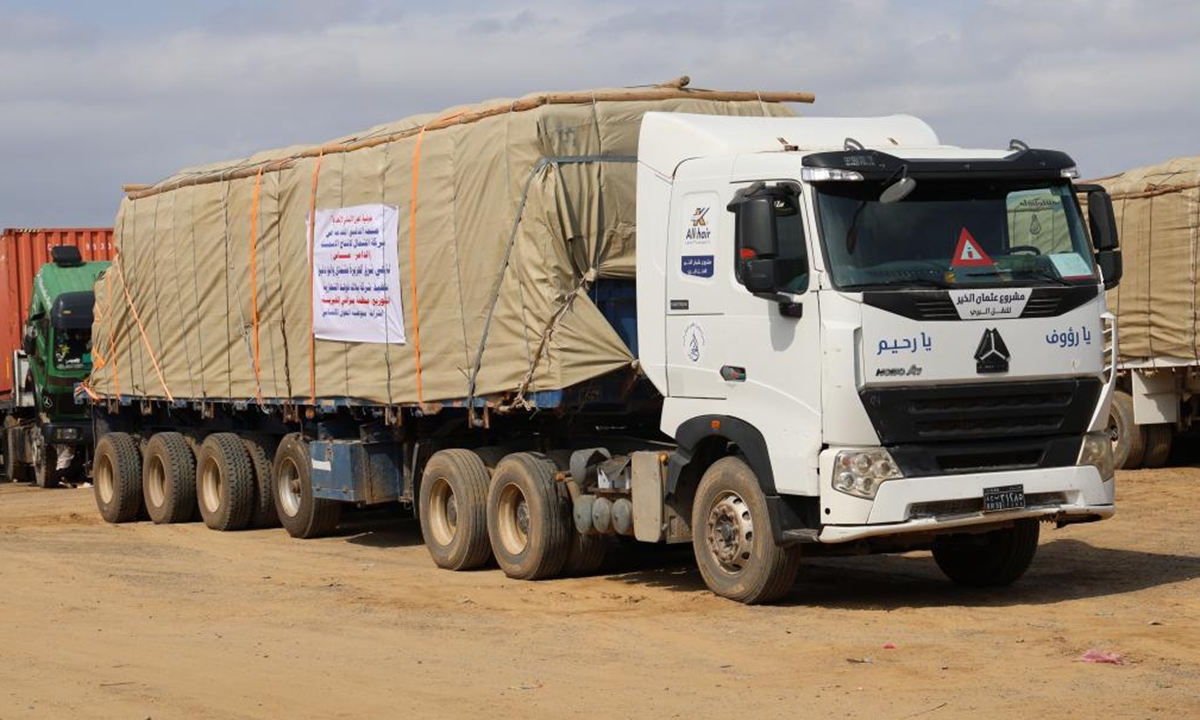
(861, 472)
(1097, 452)
(66, 434)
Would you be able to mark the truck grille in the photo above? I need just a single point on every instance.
(981, 412)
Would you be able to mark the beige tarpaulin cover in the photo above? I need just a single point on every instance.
(1158, 223)
(209, 297)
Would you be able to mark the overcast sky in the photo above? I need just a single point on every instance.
(97, 94)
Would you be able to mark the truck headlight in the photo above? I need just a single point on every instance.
(1097, 452)
(861, 472)
(66, 434)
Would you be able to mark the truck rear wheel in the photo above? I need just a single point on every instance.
(225, 482)
(1129, 443)
(528, 521)
(169, 479)
(117, 478)
(262, 451)
(453, 509)
(1158, 444)
(586, 552)
(733, 539)
(991, 559)
(301, 514)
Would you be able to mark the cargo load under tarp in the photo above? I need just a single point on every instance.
(451, 256)
(1158, 222)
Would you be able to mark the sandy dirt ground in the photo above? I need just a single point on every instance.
(143, 621)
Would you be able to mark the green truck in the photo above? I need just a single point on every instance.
(47, 433)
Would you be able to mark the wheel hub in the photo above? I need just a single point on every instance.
(452, 512)
(730, 532)
(523, 516)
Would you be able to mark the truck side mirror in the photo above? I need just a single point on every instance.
(1102, 221)
(1111, 267)
(756, 233)
(29, 342)
(1103, 224)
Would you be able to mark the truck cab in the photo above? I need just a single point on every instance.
(905, 343)
(58, 348)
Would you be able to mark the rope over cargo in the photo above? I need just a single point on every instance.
(529, 102)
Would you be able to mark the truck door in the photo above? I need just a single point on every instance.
(759, 353)
(699, 261)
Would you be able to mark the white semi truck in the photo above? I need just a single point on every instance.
(846, 336)
(844, 302)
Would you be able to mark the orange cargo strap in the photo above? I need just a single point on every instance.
(254, 282)
(312, 314)
(412, 248)
(142, 330)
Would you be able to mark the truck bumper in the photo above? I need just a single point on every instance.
(931, 504)
(68, 432)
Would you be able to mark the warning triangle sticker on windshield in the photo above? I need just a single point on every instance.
(969, 252)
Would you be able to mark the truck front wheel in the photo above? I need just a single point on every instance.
(991, 559)
(117, 477)
(528, 521)
(733, 539)
(301, 514)
(453, 509)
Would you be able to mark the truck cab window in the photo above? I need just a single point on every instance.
(791, 253)
(792, 249)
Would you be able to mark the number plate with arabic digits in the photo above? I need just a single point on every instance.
(1008, 497)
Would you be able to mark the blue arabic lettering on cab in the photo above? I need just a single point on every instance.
(910, 345)
(1070, 338)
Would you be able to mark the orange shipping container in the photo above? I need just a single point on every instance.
(22, 254)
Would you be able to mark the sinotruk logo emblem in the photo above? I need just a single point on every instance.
(992, 354)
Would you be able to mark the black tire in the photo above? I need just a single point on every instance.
(301, 514)
(991, 559)
(225, 482)
(1158, 444)
(1129, 442)
(587, 552)
(45, 469)
(528, 521)
(453, 510)
(733, 540)
(169, 479)
(117, 478)
(585, 555)
(262, 452)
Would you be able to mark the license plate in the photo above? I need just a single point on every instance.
(1008, 497)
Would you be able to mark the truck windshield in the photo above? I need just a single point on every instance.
(954, 233)
(73, 349)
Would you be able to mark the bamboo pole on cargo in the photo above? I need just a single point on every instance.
(674, 90)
